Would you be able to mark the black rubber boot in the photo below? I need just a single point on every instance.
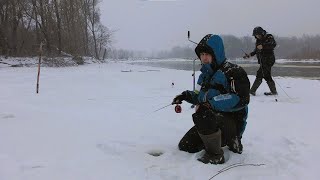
(235, 145)
(214, 152)
(272, 87)
(255, 86)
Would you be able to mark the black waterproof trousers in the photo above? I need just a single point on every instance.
(230, 124)
(266, 63)
(264, 72)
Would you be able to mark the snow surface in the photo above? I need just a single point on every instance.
(96, 122)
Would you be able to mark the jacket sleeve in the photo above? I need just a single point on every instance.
(225, 102)
(254, 52)
(192, 97)
(237, 95)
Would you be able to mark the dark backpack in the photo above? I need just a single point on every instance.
(238, 80)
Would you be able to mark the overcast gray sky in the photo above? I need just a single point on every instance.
(162, 24)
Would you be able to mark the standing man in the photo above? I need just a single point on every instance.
(265, 45)
(221, 98)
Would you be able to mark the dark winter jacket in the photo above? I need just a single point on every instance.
(223, 84)
(268, 43)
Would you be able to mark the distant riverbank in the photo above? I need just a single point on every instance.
(306, 69)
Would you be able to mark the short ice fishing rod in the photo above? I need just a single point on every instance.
(177, 108)
(248, 55)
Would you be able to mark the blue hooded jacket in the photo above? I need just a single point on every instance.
(213, 85)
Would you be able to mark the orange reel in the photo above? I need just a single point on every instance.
(178, 108)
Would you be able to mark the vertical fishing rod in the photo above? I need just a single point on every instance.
(194, 67)
(189, 38)
(194, 75)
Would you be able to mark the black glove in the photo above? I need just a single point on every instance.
(179, 98)
(246, 56)
(205, 86)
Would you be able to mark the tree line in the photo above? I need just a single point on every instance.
(64, 27)
(73, 27)
(305, 47)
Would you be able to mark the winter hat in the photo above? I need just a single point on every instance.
(202, 47)
(258, 31)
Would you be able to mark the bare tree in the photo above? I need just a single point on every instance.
(4, 25)
(56, 5)
(93, 17)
